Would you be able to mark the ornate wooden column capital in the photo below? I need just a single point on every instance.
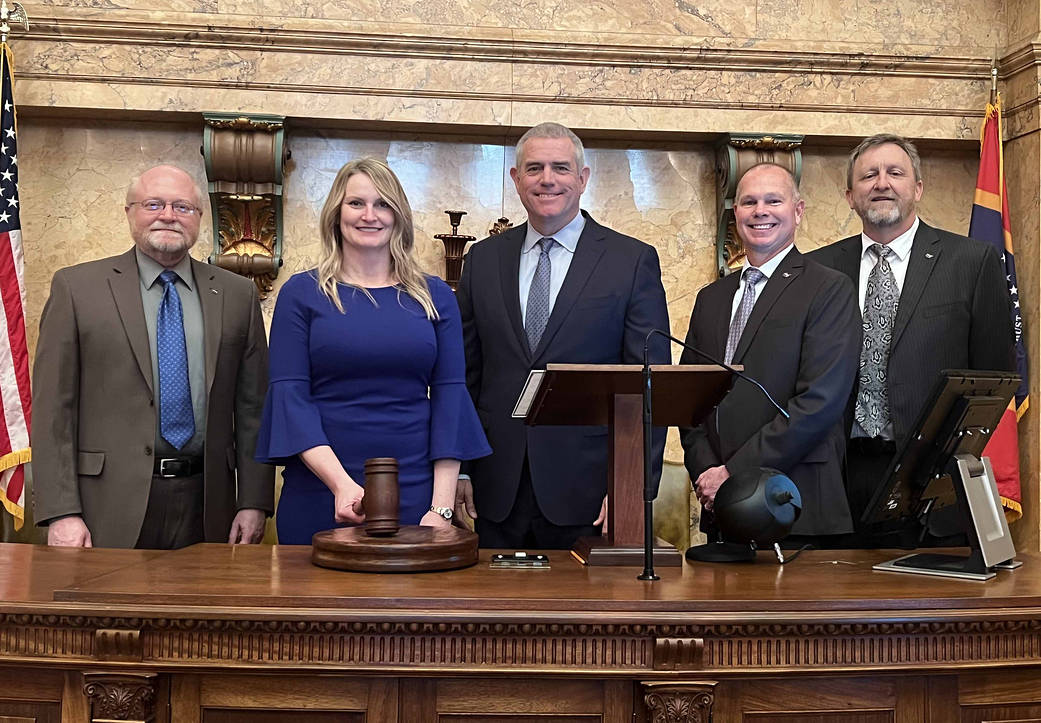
(121, 696)
(679, 702)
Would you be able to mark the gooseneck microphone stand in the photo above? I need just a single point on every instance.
(648, 491)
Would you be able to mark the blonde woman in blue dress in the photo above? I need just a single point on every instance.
(366, 361)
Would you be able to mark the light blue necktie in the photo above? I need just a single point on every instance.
(536, 314)
(176, 418)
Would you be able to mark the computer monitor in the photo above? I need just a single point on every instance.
(941, 465)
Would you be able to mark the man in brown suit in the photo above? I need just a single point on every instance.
(148, 384)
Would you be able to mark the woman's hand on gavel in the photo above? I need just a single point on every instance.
(348, 503)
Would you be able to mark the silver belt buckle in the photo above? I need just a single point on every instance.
(162, 468)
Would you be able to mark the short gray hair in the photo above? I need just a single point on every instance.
(550, 129)
(881, 139)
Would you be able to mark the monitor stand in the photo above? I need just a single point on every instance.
(990, 541)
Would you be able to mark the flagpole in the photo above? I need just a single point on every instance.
(993, 80)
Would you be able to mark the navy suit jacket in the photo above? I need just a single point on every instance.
(611, 297)
(953, 314)
(802, 342)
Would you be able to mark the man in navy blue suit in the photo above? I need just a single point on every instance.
(560, 288)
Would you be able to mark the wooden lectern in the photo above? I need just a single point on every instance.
(612, 395)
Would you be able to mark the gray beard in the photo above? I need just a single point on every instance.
(878, 217)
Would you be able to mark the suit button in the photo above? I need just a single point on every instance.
(148, 450)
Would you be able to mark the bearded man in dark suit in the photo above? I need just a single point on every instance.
(930, 299)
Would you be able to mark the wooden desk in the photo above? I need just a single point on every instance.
(220, 634)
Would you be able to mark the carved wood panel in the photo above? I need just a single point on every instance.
(1002, 714)
(835, 717)
(281, 716)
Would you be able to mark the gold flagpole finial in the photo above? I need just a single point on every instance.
(17, 15)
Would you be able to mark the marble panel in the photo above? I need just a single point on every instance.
(709, 17)
(979, 23)
(122, 100)
(210, 66)
(1023, 18)
(618, 120)
(768, 90)
(51, 7)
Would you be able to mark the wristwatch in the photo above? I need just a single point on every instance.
(445, 512)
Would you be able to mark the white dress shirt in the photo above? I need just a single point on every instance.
(768, 270)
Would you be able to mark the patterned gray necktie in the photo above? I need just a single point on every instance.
(880, 303)
(737, 325)
(536, 313)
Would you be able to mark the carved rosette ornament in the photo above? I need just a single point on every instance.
(679, 702)
(245, 157)
(735, 154)
(121, 696)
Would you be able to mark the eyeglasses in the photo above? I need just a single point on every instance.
(156, 205)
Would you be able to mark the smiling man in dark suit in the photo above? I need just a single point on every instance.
(559, 288)
(793, 325)
(930, 299)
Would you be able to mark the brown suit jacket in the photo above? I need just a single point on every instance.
(94, 409)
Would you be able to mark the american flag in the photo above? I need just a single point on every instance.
(14, 354)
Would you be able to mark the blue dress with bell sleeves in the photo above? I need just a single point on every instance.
(380, 380)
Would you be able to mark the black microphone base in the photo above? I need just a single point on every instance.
(721, 552)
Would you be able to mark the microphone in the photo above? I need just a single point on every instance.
(715, 361)
(648, 492)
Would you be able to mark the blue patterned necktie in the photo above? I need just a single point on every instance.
(880, 303)
(536, 314)
(176, 418)
(737, 326)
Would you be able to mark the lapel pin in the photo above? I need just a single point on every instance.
(214, 291)
(785, 274)
(928, 256)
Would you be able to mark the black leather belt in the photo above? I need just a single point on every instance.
(167, 467)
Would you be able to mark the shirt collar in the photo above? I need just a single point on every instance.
(149, 269)
(900, 246)
(566, 237)
(770, 266)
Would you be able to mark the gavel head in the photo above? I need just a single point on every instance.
(381, 496)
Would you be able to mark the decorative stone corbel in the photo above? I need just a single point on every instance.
(245, 157)
(679, 702)
(735, 154)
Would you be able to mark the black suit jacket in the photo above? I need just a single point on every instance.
(611, 297)
(802, 342)
(953, 314)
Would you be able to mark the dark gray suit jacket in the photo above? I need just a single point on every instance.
(953, 314)
(94, 409)
(802, 342)
(611, 297)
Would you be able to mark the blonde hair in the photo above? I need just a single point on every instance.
(403, 264)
